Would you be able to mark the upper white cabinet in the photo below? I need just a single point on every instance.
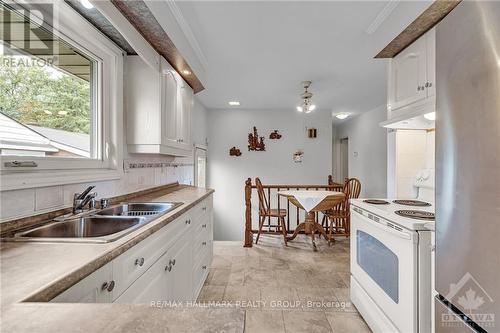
(158, 104)
(412, 76)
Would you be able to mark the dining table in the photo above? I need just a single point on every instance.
(312, 201)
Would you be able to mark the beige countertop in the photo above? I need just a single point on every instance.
(36, 272)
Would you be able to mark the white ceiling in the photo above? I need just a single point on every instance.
(258, 52)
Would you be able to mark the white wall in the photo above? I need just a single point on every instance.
(227, 174)
(414, 152)
(367, 151)
(199, 123)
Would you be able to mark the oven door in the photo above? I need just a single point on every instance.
(384, 263)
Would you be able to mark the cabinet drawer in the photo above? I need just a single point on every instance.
(202, 209)
(133, 263)
(200, 273)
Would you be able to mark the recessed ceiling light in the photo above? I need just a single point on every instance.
(234, 103)
(186, 72)
(86, 4)
(430, 116)
(342, 116)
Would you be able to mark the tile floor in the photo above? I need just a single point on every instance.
(285, 289)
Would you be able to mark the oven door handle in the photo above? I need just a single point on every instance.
(386, 228)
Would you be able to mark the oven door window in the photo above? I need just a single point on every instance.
(379, 262)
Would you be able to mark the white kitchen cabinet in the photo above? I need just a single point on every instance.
(181, 283)
(95, 288)
(169, 265)
(153, 285)
(412, 75)
(158, 105)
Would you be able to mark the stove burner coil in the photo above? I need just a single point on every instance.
(416, 203)
(416, 214)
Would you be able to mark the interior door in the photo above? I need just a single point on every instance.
(153, 285)
(409, 75)
(384, 263)
(200, 167)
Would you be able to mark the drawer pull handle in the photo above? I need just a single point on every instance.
(204, 225)
(109, 286)
(171, 262)
(204, 243)
(139, 261)
(188, 221)
(203, 267)
(168, 268)
(204, 208)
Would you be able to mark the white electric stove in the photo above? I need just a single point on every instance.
(391, 263)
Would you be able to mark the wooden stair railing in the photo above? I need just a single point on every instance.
(271, 194)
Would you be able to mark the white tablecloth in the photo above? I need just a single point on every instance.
(310, 198)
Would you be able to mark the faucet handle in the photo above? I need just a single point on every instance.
(104, 203)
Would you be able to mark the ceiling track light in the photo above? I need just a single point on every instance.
(306, 106)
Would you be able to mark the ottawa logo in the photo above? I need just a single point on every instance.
(471, 297)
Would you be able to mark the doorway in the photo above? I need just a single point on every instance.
(200, 167)
(344, 159)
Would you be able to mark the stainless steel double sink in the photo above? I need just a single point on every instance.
(100, 226)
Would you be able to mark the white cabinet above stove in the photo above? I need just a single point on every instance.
(411, 89)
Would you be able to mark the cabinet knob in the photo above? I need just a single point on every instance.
(188, 221)
(430, 84)
(203, 267)
(168, 268)
(171, 262)
(109, 286)
(204, 208)
(203, 225)
(204, 243)
(139, 261)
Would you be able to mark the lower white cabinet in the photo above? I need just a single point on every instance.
(151, 286)
(96, 288)
(169, 265)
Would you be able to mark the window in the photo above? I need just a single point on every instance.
(60, 97)
(47, 93)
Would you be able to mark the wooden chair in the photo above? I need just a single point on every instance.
(265, 212)
(340, 215)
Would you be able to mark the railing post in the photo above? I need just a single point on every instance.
(248, 213)
(330, 180)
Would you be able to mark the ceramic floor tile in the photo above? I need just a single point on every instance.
(347, 322)
(299, 322)
(241, 293)
(264, 322)
(211, 293)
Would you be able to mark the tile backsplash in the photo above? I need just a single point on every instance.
(139, 174)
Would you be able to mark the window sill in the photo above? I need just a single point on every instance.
(23, 180)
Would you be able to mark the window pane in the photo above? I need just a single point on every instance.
(46, 93)
(379, 262)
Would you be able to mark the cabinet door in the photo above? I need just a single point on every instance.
(181, 279)
(409, 75)
(431, 63)
(153, 285)
(169, 109)
(184, 115)
(92, 289)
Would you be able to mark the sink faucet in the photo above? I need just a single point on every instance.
(80, 200)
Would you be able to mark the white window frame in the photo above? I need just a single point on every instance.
(74, 29)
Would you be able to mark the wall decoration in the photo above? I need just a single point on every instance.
(275, 135)
(312, 133)
(234, 152)
(254, 143)
(297, 156)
